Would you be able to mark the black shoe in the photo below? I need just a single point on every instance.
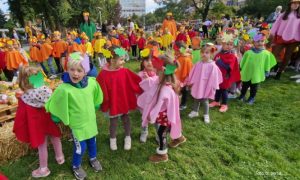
(278, 75)
(241, 98)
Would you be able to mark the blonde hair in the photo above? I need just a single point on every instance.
(24, 74)
(72, 63)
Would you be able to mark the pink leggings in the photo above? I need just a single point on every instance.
(43, 150)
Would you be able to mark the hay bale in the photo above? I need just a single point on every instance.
(10, 147)
(65, 131)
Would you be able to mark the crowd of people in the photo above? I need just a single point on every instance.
(176, 60)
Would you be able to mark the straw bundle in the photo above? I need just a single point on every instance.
(65, 131)
(10, 148)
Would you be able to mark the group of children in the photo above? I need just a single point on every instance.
(159, 91)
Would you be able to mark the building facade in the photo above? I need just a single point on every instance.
(130, 7)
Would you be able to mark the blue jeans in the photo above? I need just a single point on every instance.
(50, 65)
(79, 149)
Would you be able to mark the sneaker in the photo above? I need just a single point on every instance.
(157, 158)
(223, 108)
(241, 98)
(272, 73)
(127, 143)
(193, 114)
(40, 172)
(206, 119)
(176, 142)
(298, 81)
(295, 77)
(182, 107)
(53, 76)
(79, 173)
(231, 96)
(214, 104)
(250, 101)
(113, 144)
(95, 164)
(143, 137)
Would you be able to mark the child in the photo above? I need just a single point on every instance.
(181, 36)
(133, 42)
(167, 39)
(184, 59)
(149, 78)
(204, 80)
(254, 65)
(14, 60)
(59, 50)
(120, 87)
(227, 62)
(141, 42)
(74, 103)
(46, 50)
(161, 106)
(196, 46)
(32, 124)
(98, 47)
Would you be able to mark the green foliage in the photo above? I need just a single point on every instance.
(220, 9)
(247, 142)
(262, 8)
(2, 19)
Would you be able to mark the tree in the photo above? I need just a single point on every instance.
(220, 9)
(202, 6)
(2, 19)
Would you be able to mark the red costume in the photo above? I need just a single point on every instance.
(119, 89)
(33, 124)
(2, 60)
(230, 75)
(125, 44)
(192, 34)
(141, 43)
(181, 37)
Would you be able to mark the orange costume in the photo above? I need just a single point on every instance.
(185, 66)
(59, 47)
(14, 60)
(170, 24)
(35, 54)
(75, 47)
(46, 51)
(115, 41)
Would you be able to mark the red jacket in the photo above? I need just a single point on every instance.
(181, 37)
(229, 66)
(141, 43)
(132, 39)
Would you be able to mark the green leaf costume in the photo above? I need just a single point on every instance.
(196, 54)
(88, 29)
(255, 65)
(75, 107)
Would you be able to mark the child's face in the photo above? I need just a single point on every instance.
(119, 62)
(205, 55)
(259, 44)
(16, 45)
(227, 46)
(148, 65)
(76, 73)
(295, 5)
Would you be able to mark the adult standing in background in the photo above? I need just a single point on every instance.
(274, 15)
(104, 28)
(86, 26)
(285, 34)
(170, 24)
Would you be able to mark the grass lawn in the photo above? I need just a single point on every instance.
(248, 142)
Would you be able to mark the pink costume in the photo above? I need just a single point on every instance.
(288, 29)
(205, 78)
(152, 105)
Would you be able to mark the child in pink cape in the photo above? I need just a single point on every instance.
(204, 80)
(160, 105)
(149, 78)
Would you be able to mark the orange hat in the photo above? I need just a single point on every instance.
(9, 42)
(74, 33)
(33, 39)
(97, 34)
(86, 14)
(40, 36)
(56, 33)
(169, 14)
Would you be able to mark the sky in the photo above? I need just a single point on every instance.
(150, 6)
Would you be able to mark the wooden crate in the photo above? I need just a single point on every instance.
(7, 112)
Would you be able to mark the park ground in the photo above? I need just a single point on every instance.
(247, 142)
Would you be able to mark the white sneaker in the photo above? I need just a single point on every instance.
(127, 143)
(295, 77)
(298, 81)
(193, 114)
(143, 137)
(206, 118)
(113, 144)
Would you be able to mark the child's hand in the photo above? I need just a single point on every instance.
(145, 74)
